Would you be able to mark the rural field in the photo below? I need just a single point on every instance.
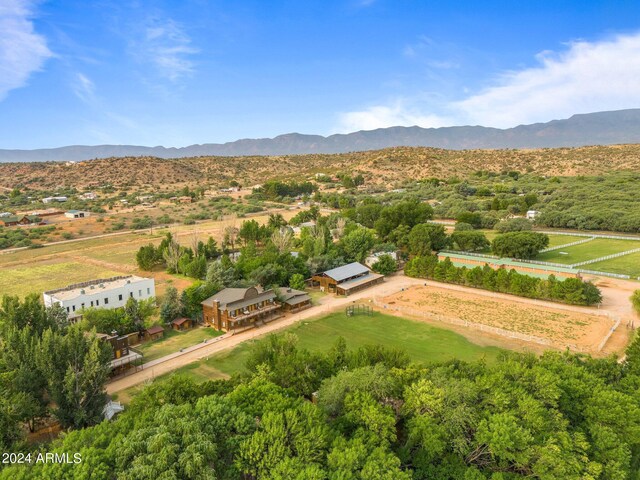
(423, 343)
(562, 328)
(591, 250)
(55, 266)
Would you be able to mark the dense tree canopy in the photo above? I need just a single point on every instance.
(376, 416)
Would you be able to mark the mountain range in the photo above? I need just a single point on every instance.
(600, 128)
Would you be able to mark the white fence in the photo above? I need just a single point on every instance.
(607, 257)
(566, 245)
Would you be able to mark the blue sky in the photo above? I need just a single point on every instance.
(176, 73)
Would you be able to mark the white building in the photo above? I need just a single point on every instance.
(88, 196)
(102, 293)
(76, 214)
(54, 199)
(532, 214)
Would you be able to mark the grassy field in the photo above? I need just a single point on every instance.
(173, 341)
(625, 265)
(421, 341)
(599, 247)
(46, 276)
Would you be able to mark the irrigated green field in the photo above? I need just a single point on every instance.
(421, 341)
(625, 265)
(597, 248)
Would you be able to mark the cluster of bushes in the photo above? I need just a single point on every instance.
(376, 416)
(23, 237)
(571, 290)
(274, 189)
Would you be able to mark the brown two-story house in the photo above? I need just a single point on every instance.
(234, 309)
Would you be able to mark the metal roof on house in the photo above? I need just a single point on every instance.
(356, 282)
(291, 296)
(236, 298)
(346, 271)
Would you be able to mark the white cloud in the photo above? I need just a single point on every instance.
(22, 51)
(84, 88)
(381, 116)
(168, 48)
(585, 77)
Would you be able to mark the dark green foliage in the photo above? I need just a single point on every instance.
(519, 244)
(513, 225)
(274, 189)
(571, 290)
(385, 265)
(469, 240)
(407, 212)
(554, 417)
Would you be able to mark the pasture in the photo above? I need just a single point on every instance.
(596, 248)
(423, 342)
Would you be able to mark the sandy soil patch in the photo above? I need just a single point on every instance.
(576, 330)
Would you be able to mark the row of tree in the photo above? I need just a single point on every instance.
(570, 290)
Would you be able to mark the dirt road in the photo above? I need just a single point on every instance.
(614, 305)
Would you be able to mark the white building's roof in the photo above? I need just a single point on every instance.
(94, 286)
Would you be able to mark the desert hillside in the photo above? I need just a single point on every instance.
(379, 166)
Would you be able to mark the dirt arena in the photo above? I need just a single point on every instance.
(563, 328)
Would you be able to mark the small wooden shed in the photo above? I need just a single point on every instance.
(154, 333)
(181, 324)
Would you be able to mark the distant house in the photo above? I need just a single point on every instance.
(372, 259)
(234, 309)
(298, 230)
(185, 199)
(76, 214)
(180, 324)
(294, 300)
(88, 196)
(12, 220)
(347, 279)
(54, 199)
(532, 214)
(154, 333)
(102, 293)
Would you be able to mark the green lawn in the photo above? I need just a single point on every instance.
(625, 265)
(599, 247)
(423, 342)
(38, 278)
(173, 341)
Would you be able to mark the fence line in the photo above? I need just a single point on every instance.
(464, 323)
(608, 335)
(566, 245)
(607, 257)
(595, 235)
(559, 265)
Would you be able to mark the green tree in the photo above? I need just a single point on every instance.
(470, 241)
(171, 307)
(519, 244)
(296, 281)
(385, 265)
(148, 257)
(358, 243)
(76, 367)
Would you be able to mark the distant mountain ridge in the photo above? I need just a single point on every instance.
(600, 128)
